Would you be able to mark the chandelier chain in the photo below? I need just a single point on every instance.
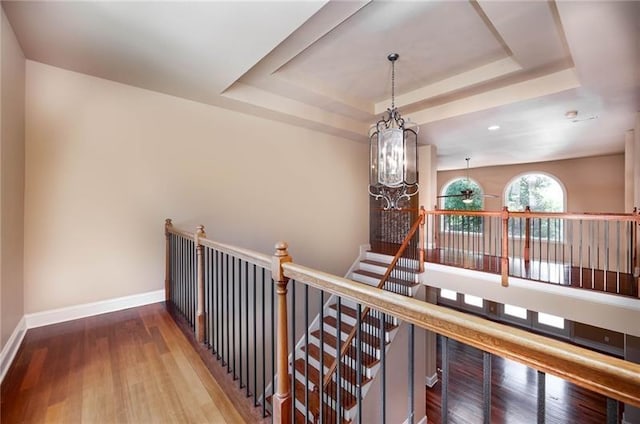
(393, 85)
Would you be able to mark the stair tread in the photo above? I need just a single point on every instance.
(393, 280)
(346, 372)
(314, 351)
(347, 400)
(386, 265)
(347, 328)
(353, 313)
(365, 337)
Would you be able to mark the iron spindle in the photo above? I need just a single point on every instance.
(486, 386)
(233, 317)
(338, 396)
(411, 414)
(612, 411)
(444, 398)
(255, 341)
(359, 361)
(321, 358)
(541, 410)
(246, 321)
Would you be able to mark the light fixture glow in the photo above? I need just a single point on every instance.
(493, 127)
(467, 200)
(393, 148)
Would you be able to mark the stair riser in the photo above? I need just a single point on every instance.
(377, 257)
(370, 350)
(367, 372)
(396, 288)
(352, 321)
(373, 331)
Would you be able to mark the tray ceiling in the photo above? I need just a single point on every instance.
(463, 65)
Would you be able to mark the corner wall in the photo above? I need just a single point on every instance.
(12, 168)
(107, 163)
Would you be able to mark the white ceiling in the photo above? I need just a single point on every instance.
(464, 65)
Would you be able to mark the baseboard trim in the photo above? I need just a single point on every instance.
(11, 348)
(55, 316)
(431, 380)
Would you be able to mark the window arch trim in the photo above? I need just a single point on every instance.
(505, 191)
(446, 185)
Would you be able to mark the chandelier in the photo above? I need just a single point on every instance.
(393, 155)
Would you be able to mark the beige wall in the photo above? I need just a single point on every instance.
(594, 184)
(12, 166)
(106, 163)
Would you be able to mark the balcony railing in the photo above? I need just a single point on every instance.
(248, 309)
(591, 251)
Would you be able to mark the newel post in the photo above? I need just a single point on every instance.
(421, 239)
(200, 234)
(527, 237)
(167, 260)
(282, 396)
(505, 246)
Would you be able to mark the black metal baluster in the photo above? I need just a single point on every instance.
(338, 396)
(217, 301)
(321, 359)
(444, 397)
(240, 280)
(273, 342)
(486, 386)
(246, 321)
(359, 361)
(383, 365)
(264, 345)
(255, 340)
(228, 318)
(541, 397)
(292, 349)
(411, 414)
(233, 317)
(306, 354)
(612, 411)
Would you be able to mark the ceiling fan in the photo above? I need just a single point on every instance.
(467, 194)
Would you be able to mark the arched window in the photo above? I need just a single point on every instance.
(462, 194)
(456, 187)
(542, 193)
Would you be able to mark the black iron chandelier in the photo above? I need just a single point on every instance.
(393, 155)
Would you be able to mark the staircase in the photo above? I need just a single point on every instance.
(370, 270)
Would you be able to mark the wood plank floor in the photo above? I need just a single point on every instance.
(131, 366)
(513, 393)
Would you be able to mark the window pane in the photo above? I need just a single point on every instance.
(448, 294)
(515, 311)
(550, 320)
(473, 300)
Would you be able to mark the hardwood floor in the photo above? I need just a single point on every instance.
(513, 393)
(131, 366)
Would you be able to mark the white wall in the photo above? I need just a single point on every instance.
(107, 163)
(12, 166)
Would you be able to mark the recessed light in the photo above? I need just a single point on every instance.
(572, 114)
(494, 128)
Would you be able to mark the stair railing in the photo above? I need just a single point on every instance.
(616, 379)
(418, 225)
(596, 251)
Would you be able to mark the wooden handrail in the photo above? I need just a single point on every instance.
(247, 255)
(590, 216)
(347, 344)
(609, 376)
